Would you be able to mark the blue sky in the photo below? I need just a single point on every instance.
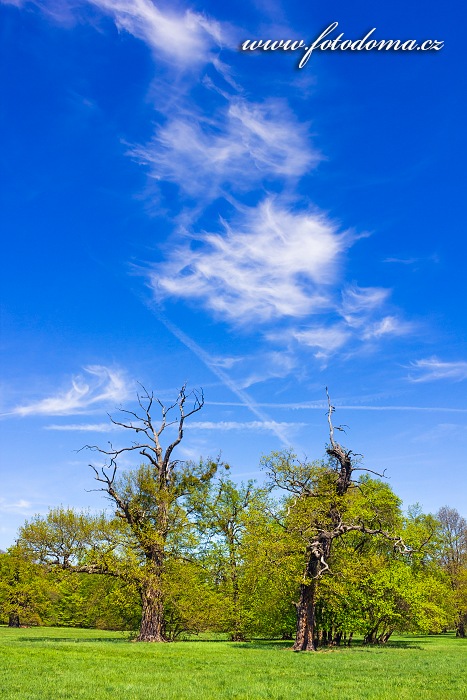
(175, 210)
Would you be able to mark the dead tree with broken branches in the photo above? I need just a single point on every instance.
(318, 510)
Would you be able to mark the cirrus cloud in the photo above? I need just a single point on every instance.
(275, 263)
(432, 368)
(101, 385)
(244, 144)
(184, 37)
(181, 38)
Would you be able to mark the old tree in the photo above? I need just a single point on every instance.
(319, 511)
(150, 524)
(202, 552)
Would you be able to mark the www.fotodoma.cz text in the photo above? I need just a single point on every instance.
(324, 42)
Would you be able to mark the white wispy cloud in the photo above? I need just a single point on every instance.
(433, 258)
(183, 37)
(21, 506)
(432, 368)
(360, 309)
(270, 365)
(99, 385)
(226, 362)
(442, 432)
(358, 303)
(327, 339)
(243, 144)
(389, 325)
(275, 263)
(401, 261)
(269, 425)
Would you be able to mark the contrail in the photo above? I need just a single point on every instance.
(225, 379)
(322, 407)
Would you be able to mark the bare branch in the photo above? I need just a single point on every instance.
(370, 471)
(197, 406)
(337, 452)
(93, 569)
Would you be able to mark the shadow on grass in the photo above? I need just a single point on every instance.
(192, 640)
(401, 644)
(356, 646)
(254, 644)
(75, 640)
(264, 644)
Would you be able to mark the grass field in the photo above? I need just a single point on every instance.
(55, 663)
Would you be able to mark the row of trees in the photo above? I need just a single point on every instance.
(315, 553)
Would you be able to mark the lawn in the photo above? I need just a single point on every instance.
(55, 663)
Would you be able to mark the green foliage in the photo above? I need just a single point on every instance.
(192, 603)
(23, 589)
(65, 538)
(245, 570)
(453, 559)
(93, 602)
(158, 515)
(223, 516)
(376, 596)
(234, 557)
(271, 573)
(374, 503)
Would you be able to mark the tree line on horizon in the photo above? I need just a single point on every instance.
(316, 553)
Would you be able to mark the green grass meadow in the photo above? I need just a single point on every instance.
(55, 663)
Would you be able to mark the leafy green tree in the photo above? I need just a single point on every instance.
(23, 589)
(372, 504)
(223, 514)
(192, 601)
(271, 571)
(374, 590)
(453, 558)
(101, 602)
(379, 594)
(151, 524)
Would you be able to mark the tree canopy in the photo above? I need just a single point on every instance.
(318, 552)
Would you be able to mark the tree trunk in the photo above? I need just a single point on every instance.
(306, 613)
(371, 635)
(304, 636)
(13, 620)
(152, 622)
(237, 634)
(337, 638)
(384, 638)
